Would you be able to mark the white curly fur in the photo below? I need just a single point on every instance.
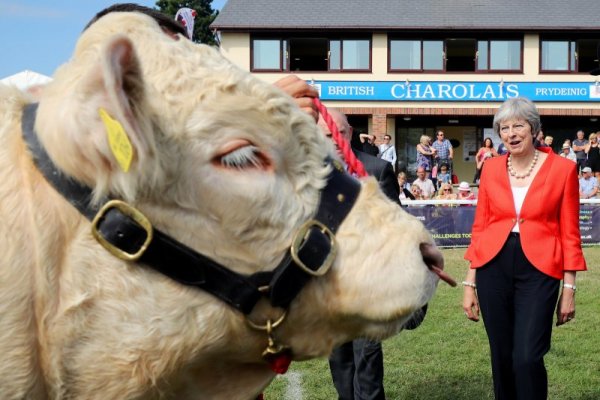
(78, 323)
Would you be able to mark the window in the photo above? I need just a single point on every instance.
(349, 55)
(433, 55)
(355, 55)
(308, 54)
(461, 55)
(499, 55)
(267, 54)
(311, 54)
(405, 55)
(416, 55)
(455, 55)
(558, 56)
(569, 56)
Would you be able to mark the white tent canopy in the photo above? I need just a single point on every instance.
(26, 79)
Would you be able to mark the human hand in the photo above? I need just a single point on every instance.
(302, 93)
(471, 303)
(565, 310)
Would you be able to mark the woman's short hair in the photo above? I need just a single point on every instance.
(592, 136)
(424, 138)
(518, 108)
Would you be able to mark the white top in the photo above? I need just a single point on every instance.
(519, 194)
(426, 187)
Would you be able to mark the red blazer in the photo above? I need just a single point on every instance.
(549, 220)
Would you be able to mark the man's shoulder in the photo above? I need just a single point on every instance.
(371, 162)
(366, 157)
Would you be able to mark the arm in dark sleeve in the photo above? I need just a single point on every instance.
(389, 183)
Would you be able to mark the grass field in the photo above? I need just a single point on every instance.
(447, 356)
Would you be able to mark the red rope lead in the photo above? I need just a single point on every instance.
(354, 165)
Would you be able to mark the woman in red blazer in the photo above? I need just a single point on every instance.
(525, 240)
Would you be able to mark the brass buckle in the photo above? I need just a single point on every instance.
(134, 214)
(301, 235)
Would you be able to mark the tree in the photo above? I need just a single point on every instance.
(205, 16)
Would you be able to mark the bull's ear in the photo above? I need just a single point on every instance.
(123, 95)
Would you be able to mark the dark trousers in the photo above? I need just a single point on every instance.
(517, 303)
(357, 370)
(581, 164)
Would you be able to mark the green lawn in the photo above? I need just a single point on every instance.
(447, 356)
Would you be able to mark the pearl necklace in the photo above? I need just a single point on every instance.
(514, 173)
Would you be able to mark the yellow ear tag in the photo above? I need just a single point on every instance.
(118, 140)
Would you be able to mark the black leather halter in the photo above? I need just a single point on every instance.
(126, 233)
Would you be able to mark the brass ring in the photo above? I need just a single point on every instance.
(268, 325)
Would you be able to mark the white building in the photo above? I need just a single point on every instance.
(409, 67)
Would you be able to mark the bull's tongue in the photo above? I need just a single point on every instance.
(443, 276)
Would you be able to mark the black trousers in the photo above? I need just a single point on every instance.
(357, 370)
(517, 303)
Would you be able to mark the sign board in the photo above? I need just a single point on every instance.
(457, 91)
(451, 226)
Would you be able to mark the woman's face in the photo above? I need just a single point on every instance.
(488, 143)
(516, 136)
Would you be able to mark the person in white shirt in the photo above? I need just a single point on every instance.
(567, 153)
(588, 184)
(426, 185)
(387, 151)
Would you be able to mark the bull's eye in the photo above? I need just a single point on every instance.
(244, 157)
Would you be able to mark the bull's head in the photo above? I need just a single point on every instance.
(229, 166)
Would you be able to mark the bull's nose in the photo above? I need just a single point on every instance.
(434, 260)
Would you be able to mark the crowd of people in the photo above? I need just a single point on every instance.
(585, 153)
(434, 164)
(435, 168)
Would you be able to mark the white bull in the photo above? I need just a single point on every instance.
(221, 162)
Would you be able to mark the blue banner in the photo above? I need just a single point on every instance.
(458, 91)
(451, 226)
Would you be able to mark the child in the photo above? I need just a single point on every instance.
(443, 176)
